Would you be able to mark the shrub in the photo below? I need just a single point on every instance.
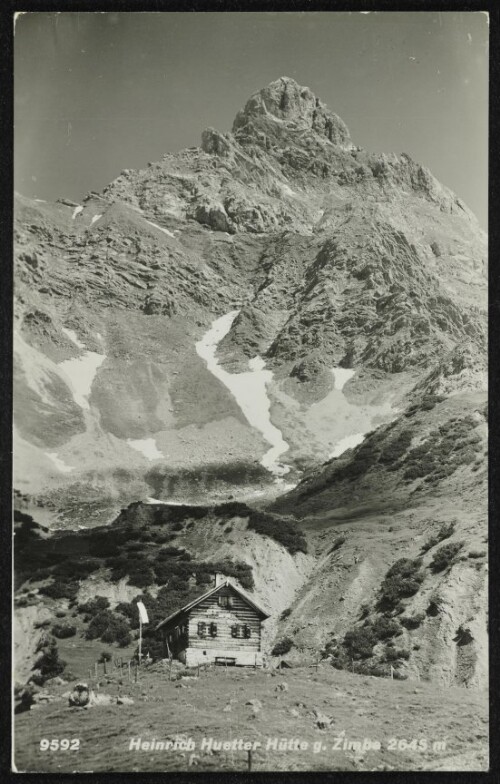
(59, 589)
(141, 578)
(463, 636)
(285, 614)
(384, 628)
(393, 654)
(444, 533)
(63, 630)
(359, 643)
(445, 556)
(104, 657)
(93, 606)
(280, 529)
(49, 664)
(282, 646)
(396, 448)
(130, 611)
(412, 621)
(476, 553)
(339, 541)
(109, 627)
(402, 580)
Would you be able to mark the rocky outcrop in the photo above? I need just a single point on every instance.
(286, 101)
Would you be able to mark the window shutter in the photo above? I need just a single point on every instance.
(234, 631)
(246, 631)
(201, 629)
(213, 630)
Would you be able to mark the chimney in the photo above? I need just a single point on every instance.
(219, 579)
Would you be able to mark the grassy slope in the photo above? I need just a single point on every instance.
(359, 706)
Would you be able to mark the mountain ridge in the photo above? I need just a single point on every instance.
(285, 321)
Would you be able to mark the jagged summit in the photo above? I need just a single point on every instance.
(287, 101)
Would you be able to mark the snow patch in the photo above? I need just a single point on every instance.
(76, 212)
(165, 231)
(349, 442)
(286, 189)
(95, 218)
(341, 376)
(169, 503)
(249, 390)
(42, 200)
(60, 464)
(147, 446)
(81, 371)
(73, 337)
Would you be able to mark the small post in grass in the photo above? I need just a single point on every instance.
(392, 673)
(249, 760)
(96, 671)
(129, 675)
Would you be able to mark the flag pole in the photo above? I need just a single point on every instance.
(140, 638)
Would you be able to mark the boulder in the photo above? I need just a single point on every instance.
(322, 721)
(80, 696)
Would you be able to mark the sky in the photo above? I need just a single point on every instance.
(95, 93)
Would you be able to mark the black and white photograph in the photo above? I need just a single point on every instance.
(250, 401)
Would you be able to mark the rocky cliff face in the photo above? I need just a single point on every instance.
(275, 307)
(332, 256)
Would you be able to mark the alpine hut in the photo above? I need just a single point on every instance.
(222, 626)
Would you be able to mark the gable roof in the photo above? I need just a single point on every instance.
(212, 591)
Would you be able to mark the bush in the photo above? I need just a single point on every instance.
(339, 541)
(384, 628)
(109, 627)
(445, 556)
(93, 606)
(280, 529)
(396, 448)
(476, 553)
(444, 533)
(60, 589)
(285, 614)
(63, 630)
(412, 621)
(49, 664)
(401, 581)
(359, 643)
(104, 657)
(463, 636)
(130, 611)
(282, 647)
(394, 654)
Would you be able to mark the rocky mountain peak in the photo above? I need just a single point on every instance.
(286, 101)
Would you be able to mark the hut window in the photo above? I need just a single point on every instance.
(225, 601)
(246, 631)
(213, 630)
(202, 629)
(235, 631)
